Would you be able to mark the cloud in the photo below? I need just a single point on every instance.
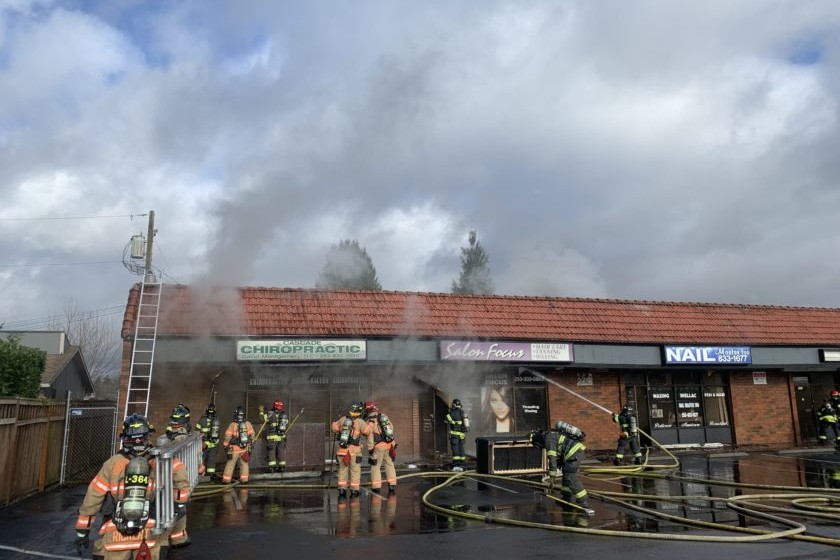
(646, 150)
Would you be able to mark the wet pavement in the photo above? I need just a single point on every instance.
(498, 517)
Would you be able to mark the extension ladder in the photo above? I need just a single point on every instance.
(143, 350)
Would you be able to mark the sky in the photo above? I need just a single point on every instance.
(645, 150)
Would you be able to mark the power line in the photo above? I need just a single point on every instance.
(24, 324)
(132, 216)
(24, 265)
(165, 262)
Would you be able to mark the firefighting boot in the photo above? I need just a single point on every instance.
(637, 461)
(392, 489)
(584, 506)
(616, 462)
(354, 493)
(342, 493)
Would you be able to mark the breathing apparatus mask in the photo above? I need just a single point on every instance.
(135, 435)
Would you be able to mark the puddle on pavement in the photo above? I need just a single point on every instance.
(319, 511)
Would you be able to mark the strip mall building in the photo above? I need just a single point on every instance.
(696, 373)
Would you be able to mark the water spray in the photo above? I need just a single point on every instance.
(578, 395)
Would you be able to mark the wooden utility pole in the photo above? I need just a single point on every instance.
(150, 238)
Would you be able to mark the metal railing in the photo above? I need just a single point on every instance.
(188, 451)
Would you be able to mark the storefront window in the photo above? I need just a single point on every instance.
(512, 405)
(530, 409)
(689, 411)
(689, 399)
(662, 410)
(497, 416)
(714, 400)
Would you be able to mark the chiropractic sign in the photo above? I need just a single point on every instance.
(300, 350)
(470, 350)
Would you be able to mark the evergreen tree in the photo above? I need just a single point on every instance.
(20, 368)
(475, 270)
(348, 267)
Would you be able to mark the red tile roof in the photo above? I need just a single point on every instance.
(255, 311)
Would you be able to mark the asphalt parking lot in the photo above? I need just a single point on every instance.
(638, 514)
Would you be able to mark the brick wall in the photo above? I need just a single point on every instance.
(762, 414)
(596, 424)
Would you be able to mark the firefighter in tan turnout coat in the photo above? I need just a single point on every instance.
(239, 438)
(349, 430)
(123, 491)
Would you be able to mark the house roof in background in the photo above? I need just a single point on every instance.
(56, 363)
(261, 311)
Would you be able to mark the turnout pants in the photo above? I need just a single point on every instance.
(571, 483)
(828, 432)
(208, 459)
(382, 456)
(457, 445)
(236, 458)
(633, 443)
(275, 455)
(350, 475)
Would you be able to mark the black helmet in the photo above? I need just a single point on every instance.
(211, 410)
(356, 409)
(135, 425)
(456, 403)
(135, 434)
(180, 415)
(239, 414)
(627, 408)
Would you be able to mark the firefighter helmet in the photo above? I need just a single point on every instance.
(456, 403)
(135, 434)
(627, 408)
(835, 393)
(210, 410)
(239, 414)
(370, 407)
(356, 409)
(278, 405)
(180, 415)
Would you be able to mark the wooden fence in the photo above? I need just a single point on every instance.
(31, 440)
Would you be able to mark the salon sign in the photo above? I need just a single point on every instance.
(707, 355)
(472, 351)
(300, 350)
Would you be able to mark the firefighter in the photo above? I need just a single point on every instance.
(834, 398)
(179, 422)
(459, 424)
(349, 430)
(122, 491)
(382, 448)
(564, 449)
(210, 430)
(239, 438)
(629, 435)
(276, 421)
(827, 416)
(179, 426)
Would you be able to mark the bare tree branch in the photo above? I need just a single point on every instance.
(98, 336)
